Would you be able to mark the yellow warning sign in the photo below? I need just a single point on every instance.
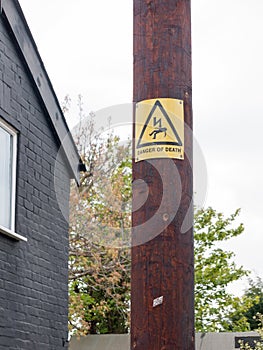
(159, 129)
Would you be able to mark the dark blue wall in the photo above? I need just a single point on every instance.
(33, 274)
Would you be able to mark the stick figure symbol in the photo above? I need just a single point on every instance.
(158, 131)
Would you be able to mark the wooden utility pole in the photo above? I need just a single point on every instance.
(162, 298)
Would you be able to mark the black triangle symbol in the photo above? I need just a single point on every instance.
(156, 142)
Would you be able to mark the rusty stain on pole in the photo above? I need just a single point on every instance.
(162, 309)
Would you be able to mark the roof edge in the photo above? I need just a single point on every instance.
(26, 43)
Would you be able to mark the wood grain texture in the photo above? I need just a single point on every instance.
(163, 264)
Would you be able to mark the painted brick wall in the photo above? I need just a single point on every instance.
(33, 274)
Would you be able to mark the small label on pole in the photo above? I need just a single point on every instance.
(159, 129)
(158, 301)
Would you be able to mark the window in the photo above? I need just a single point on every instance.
(7, 175)
(8, 148)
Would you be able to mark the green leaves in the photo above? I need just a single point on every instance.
(215, 269)
(244, 316)
(258, 344)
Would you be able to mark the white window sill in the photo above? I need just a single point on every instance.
(12, 234)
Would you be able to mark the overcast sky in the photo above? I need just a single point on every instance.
(87, 48)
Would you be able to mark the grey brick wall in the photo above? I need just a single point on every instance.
(33, 274)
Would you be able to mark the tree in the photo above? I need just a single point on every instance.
(244, 316)
(259, 343)
(215, 269)
(255, 294)
(99, 259)
(99, 263)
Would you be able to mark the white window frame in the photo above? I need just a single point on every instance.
(11, 232)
